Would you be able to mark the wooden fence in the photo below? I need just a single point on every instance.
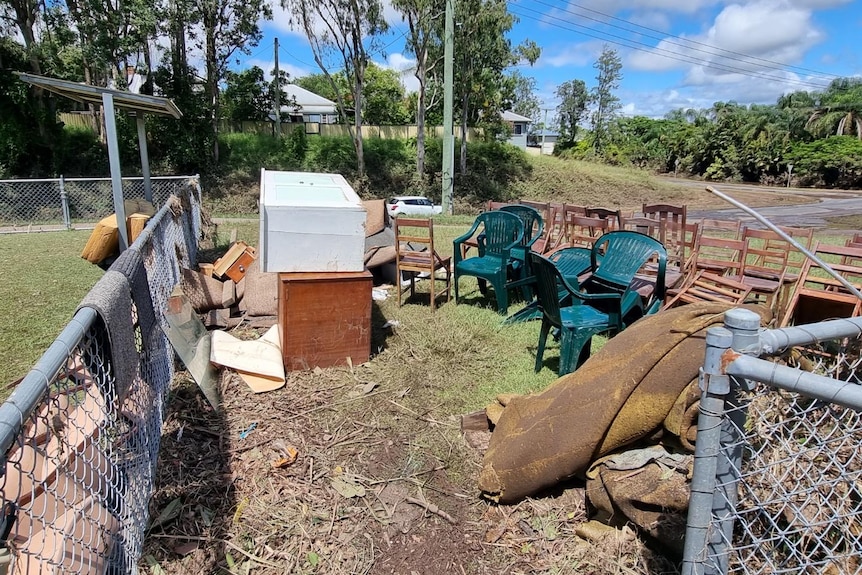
(85, 120)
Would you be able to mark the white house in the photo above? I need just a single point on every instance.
(519, 125)
(309, 106)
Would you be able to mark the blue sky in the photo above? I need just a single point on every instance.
(675, 53)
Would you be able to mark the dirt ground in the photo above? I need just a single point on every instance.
(382, 484)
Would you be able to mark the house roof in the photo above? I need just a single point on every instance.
(307, 101)
(510, 116)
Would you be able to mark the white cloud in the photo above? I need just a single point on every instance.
(580, 54)
(753, 37)
(405, 66)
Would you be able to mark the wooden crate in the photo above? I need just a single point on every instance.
(324, 318)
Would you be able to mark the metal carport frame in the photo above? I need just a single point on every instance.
(110, 99)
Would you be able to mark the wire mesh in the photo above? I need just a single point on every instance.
(796, 497)
(64, 202)
(83, 445)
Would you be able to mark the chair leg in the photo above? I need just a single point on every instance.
(574, 349)
(543, 339)
(456, 287)
(398, 283)
(502, 296)
(433, 279)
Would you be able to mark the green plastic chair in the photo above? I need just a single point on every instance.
(534, 226)
(616, 259)
(567, 309)
(502, 232)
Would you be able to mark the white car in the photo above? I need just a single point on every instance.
(412, 206)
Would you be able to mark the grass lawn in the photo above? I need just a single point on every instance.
(44, 282)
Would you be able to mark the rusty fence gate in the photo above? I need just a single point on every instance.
(777, 480)
(63, 203)
(80, 434)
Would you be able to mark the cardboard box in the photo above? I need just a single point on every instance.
(310, 222)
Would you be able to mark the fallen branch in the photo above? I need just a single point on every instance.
(431, 508)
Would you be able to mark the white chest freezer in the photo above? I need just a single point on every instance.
(310, 222)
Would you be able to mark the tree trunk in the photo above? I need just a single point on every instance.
(212, 87)
(357, 118)
(420, 122)
(464, 108)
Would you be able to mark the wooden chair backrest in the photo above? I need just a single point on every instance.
(715, 227)
(583, 231)
(721, 256)
(615, 216)
(414, 244)
(766, 253)
(707, 286)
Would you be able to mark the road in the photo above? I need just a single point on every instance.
(829, 204)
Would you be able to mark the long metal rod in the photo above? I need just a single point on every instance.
(787, 237)
(843, 393)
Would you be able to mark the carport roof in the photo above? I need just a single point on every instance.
(87, 94)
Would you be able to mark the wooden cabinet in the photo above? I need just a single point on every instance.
(324, 318)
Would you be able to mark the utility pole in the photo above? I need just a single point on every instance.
(277, 97)
(544, 131)
(448, 137)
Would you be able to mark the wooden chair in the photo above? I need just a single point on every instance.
(554, 230)
(721, 228)
(672, 219)
(414, 252)
(615, 217)
(818, 296)
(718, 255)
(583, 231)
(706, 286)
(764, 265)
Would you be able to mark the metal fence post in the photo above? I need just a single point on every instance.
(64, 203)
(714, 386)
(744, 325)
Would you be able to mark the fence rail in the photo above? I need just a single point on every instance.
(63, 203)
(81, 432)
(777, 481)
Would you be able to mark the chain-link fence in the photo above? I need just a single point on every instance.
(81, 431)
(777, 482)
(62, 203)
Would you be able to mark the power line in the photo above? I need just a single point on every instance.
(633, 44)
(712, 50)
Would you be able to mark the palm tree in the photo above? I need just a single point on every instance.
(839, 110)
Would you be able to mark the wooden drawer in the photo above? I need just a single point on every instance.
(324, 318)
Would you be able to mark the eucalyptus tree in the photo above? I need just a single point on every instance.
(602, 96)
(524, 99)
(24, 15)
(349, 29)
(482, 54)
(229, 27)
(573, 103)
(425, 41)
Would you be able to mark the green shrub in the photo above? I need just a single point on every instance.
(834, 162)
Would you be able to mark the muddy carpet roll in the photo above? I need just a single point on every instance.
(620, 395)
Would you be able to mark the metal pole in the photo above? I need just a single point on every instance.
(145, 157)
(276, 96)
(544, 130)
(787, 237)
(114, 159)
(448, 122)
(64, 204)
(714, 387)
(744, 325)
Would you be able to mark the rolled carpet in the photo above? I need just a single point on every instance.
(620, 395)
